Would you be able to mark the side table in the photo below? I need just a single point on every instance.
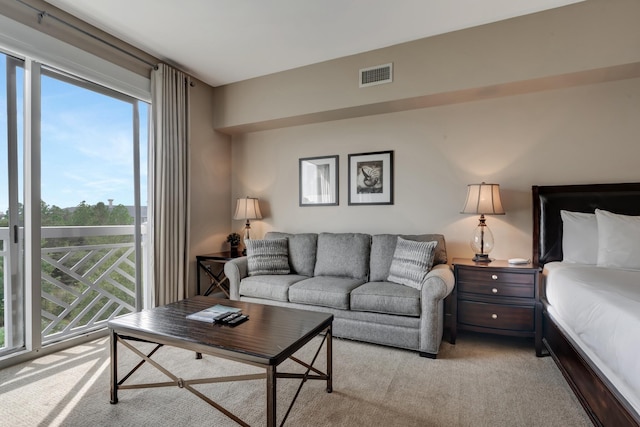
(216, 279)
(498, 298)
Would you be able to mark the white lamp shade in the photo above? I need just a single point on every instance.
(247, 208)
(483, 199)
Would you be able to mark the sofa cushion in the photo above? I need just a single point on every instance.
(384, 245)
(267, 257)
(302, 251)
(411, 262)
(387, 298)
(343, 255)
(272, 287)
(324, 291)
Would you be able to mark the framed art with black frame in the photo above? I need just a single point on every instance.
(371, 178)
(318, 181)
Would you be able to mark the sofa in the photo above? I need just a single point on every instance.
(347, 274)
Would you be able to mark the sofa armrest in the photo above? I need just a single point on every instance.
(236, 270)
(435, 288)
(439, 282)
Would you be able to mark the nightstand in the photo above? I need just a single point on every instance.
(497, 298)
(217, 277)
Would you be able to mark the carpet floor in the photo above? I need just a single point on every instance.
(480, 381)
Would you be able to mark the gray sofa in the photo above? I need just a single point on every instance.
(346, 274)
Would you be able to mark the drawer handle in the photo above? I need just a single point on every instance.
(494, 276)
(494, 290)
(494, 316)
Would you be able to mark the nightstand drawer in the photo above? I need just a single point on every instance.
(497, 289)
(491, 276)
(496, 316)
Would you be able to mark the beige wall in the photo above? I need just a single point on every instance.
(210, 178)
(550, 98)
(582, 43)
(586, 134)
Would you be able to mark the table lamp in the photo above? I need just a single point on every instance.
(247, 208)
(483, 199)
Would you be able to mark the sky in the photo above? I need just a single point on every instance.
(87, 145)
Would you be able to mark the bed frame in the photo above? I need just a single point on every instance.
(603, 403)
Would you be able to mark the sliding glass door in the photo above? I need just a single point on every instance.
(11, 289)
(90, 163)
(72, 210)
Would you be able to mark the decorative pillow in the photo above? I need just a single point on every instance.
(411, 262)
(579, 237)
(267, 257)
(618, 240)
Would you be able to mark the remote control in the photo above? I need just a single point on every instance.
(237, 320)
(220, 317)
(231, 317)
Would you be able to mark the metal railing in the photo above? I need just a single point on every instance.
(88, 277)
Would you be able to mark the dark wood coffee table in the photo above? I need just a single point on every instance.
(270, 336)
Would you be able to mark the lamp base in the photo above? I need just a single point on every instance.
(482, 258)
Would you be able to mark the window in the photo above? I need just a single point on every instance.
(80, 218)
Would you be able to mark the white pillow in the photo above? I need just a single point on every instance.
(618, 240)
(579, 237)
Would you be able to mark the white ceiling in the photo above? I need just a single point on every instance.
(224, 41)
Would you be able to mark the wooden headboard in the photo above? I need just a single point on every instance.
(548, 201)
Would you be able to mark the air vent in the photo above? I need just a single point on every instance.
(376, 75)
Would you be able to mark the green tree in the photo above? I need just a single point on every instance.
(82, 215)
(119, 215)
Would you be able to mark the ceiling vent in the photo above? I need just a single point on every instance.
(376, 75)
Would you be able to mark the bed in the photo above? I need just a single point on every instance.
(590, 307)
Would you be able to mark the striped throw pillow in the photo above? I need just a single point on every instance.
(267, 257)
(411, 262)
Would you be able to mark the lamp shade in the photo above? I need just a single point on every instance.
(247, 208)
(483, 199)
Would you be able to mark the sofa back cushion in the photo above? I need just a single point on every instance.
(343, 255)
(302, 251)
(384, 245)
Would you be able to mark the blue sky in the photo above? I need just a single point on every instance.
(87, 145)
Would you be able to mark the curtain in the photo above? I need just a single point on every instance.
(169, 185)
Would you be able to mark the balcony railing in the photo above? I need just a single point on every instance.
(88, 277)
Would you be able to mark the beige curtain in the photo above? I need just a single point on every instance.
(169, 185)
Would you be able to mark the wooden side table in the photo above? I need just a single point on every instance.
(216, 279)
(498, 298)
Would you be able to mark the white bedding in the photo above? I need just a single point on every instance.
(599, 308)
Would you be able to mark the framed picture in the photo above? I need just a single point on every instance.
(319, 181)
(371, 178)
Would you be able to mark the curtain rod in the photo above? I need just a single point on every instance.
(44, 14)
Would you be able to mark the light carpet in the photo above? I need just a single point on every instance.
(480, 381)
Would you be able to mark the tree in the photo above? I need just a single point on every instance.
(119, 215)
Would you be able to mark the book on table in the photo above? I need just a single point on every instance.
(211, 313)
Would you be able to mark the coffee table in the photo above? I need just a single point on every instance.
(270, 336)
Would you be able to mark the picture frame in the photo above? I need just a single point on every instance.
(318, 181)
(371, 178)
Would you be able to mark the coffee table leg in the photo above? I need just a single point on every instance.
(114, 367)
(329, 360)
(271, 396)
